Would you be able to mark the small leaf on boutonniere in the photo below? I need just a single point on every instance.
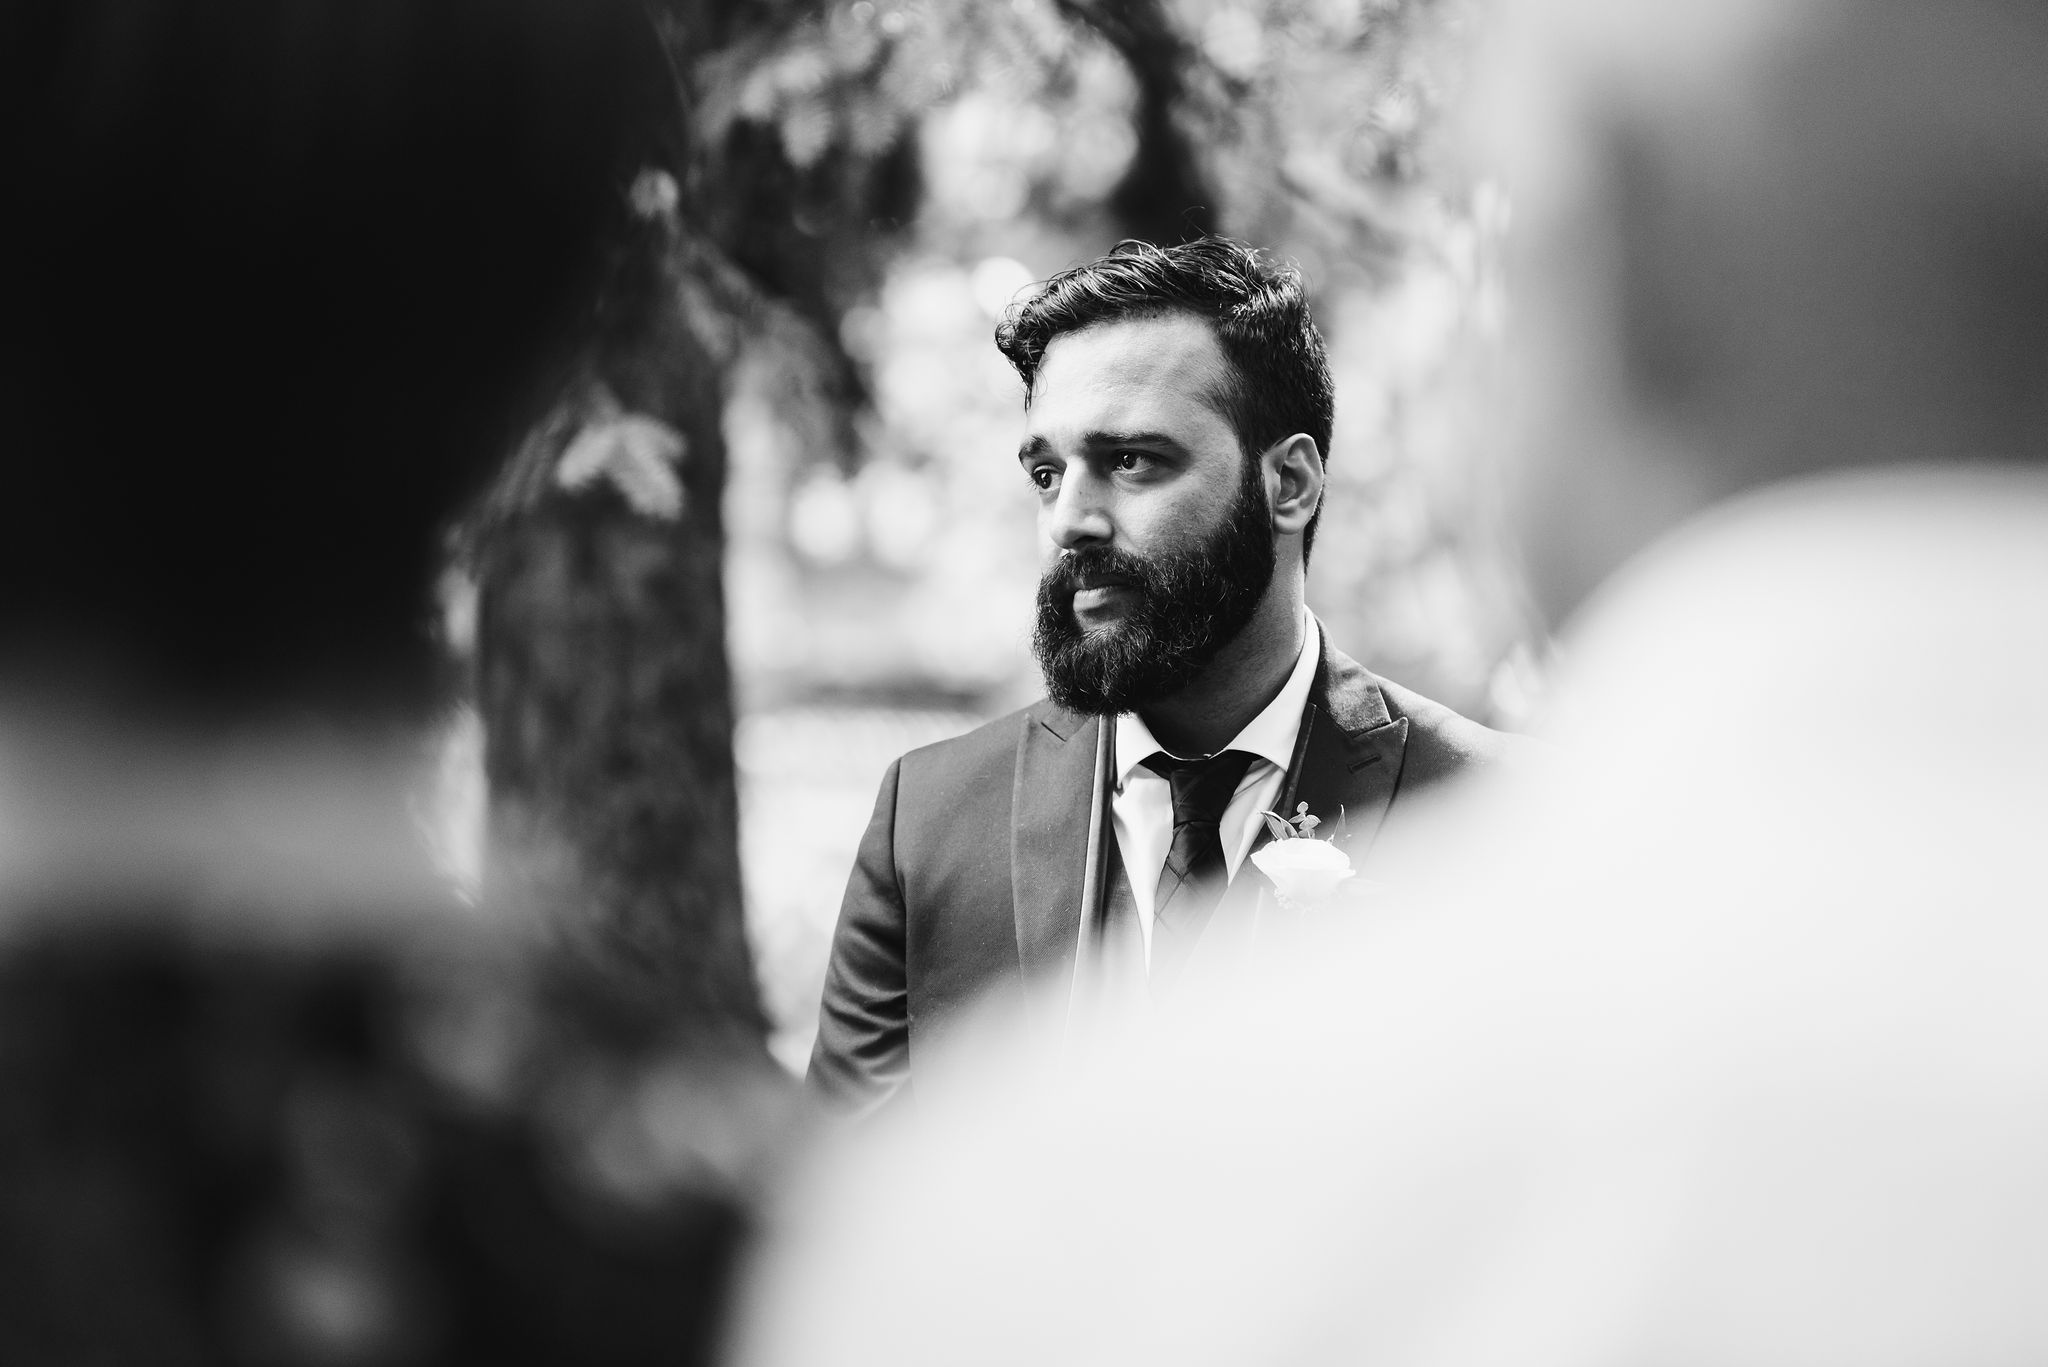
(1300, 826)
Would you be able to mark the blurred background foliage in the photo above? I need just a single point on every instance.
(947, 156)
(852, 194)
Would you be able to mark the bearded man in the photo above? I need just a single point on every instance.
(1178, 407)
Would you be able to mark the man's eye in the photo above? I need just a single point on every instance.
(1127, 461)
(1044, 476)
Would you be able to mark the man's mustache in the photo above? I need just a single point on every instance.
(1092, 568)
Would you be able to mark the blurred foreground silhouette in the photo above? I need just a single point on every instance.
(221, 1149)
(1735, 1045)
(285, 283)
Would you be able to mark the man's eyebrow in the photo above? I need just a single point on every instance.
(1128, 439)
(1036, 445)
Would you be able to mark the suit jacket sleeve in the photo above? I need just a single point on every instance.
(862, 1054)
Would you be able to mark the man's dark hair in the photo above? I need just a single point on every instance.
(1279, 381)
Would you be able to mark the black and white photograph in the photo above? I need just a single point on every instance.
(924, 683)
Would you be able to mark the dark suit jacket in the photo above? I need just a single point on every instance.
(973, 869)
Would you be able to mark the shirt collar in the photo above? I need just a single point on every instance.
(1270, 735)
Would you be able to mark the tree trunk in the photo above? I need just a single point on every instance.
(601, 672)
(1163, 198)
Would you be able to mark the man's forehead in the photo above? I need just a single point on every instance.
(1165, 358)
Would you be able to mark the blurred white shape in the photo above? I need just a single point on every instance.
(1419, 321)
(901, 512)
(636, 453)
(1096, 141)
(1233, 40)
(806, 132)
(1338, 18)
(863, 331)
(1734, 1045)
(995, 281)
(959, 631)
(1514, 689)
(982, 153)
(1492, 217)
(452, 814)
(1397, 110)
(929, 300)
(824, 519)
(1097, 152)
(455, 593)
(654, 193)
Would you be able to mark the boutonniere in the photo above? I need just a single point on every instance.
(1305, 871)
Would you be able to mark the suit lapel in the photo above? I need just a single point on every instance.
(1347, 759)
(1050, 825)
(1347, 765)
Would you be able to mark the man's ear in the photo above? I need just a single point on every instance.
(1294, 482)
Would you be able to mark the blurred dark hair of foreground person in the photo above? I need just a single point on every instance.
(284, 282)
(231, 1150)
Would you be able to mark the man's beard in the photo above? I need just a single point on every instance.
(1190, 602)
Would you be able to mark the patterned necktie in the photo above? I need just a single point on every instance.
(1195, 874)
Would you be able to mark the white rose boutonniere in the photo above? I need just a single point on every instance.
(1305, 871)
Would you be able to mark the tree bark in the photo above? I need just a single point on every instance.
(601, 673)
(1163, 197)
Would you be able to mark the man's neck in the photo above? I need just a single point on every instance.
(1236, 686)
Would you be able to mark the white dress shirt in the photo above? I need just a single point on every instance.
(1141, 805)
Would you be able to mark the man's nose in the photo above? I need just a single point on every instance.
(1080, 515)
